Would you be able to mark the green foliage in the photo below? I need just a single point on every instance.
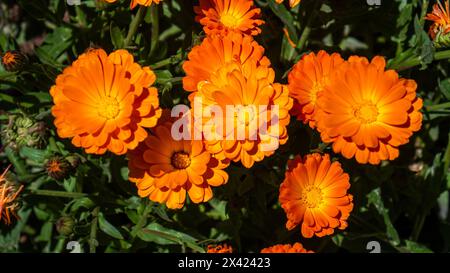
(403, 204)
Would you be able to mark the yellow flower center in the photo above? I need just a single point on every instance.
(229, 20)
(109, 108)
(366, 112)
(181, 160)
(312, 196)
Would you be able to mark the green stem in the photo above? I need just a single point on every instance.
(93, 235)
(62, 194)
(441, 106)
(142, 220)
(171, 60)
(134, 25)
(418, 225)
(441, 55)
(16, 162)
(155, 29)
(307, 30)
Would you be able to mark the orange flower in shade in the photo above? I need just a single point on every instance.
(219, 249)
(287, 248)
(251, 88)
(314, 195)
(104, 102)
(367, 112)
(440, 17)
(8, 199)
(292, 3)
(165, 170)
(308, 79)
(13, 60)
(134, 3)
(224, 16)
(233, 48)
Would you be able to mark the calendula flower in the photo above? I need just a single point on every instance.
(220, 51)
(440, 29)
(104, 102)
(219, 249)
(367, 112)
(307, 80)
(249, 100)
(9, 204)
(225, 16)
(134, 3)
(165, 170)
(287, 248)
(314, 195)
(13, 60)
(58, 168)
(292, 3)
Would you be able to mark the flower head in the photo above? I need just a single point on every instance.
(134, 3)
(367, 112)
(165, 170)
(314, 195)
(220, 51)
(9, 192)
(308, 79)
(255, 113)
(13, 60)
(287, 248)
(104, 102)
(224, 16)
(224, 248)
(440, 16)
(58, 168)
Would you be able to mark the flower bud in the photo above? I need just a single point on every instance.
(14, 60)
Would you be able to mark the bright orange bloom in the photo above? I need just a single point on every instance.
(307, 80)
(104, 102)
(292, 3)
(287, 248)
(224, 16)
(367, 112)
(314, 195)
(251, 90)
(8, 195)
(219, 249)
(234, 48)
(134, 3)
(165, 170)
(441, 19)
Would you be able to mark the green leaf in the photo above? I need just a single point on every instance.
(444, 86)
(414, 247)
(108, 228)
(33, 154)
(117, 37)
(286, 17)
(375, 199)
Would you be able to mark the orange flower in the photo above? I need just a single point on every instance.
(224, 16)
(441, 19)
(134, 3)
(165, 170)
(368, 112)
(292, 3)
(219, 249)
(251, 90)
(307, 80)
(314, 195)
(8, 195)
(288, 248)
(104, 102)
(234, 48)
(13, 60)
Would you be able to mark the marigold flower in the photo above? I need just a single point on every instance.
(314, 195)
(220, 51)
(224, 16)
(307, 80)
(13, 60)
(287, 248)
(134, 3)
(251, 88)
(9, 192)
(440, 16)
(292, 3)
(224, 248)
(367, 112)
(165, 170)
(104, 102)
